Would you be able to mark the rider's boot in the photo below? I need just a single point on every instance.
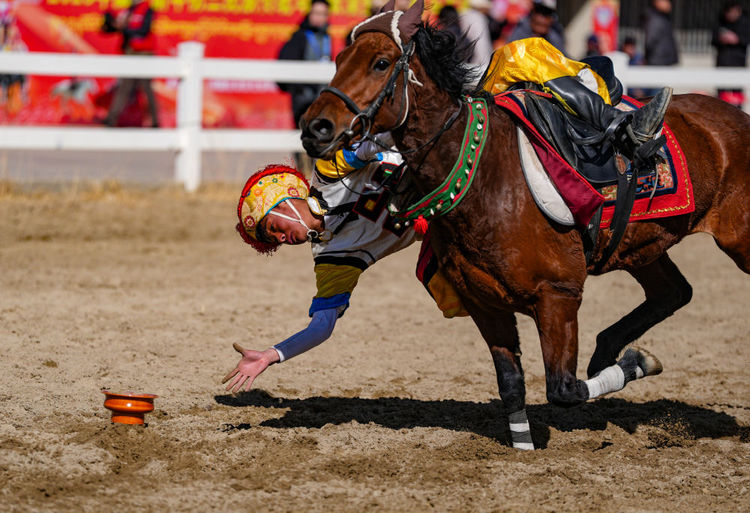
(629, 131)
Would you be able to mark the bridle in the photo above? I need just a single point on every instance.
(366, 117)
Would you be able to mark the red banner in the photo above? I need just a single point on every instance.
(228, 28)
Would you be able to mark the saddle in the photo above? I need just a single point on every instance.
(591, 155)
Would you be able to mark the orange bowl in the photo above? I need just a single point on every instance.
(128, 407)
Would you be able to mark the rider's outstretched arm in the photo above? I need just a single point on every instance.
(335, 283)
(318, 331)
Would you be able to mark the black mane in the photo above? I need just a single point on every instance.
(446, 60)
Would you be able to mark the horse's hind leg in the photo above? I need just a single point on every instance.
(666, 290)
(732, 235)
(499, 331)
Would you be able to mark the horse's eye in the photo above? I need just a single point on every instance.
(381, 65)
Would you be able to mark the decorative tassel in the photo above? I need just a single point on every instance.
(420, 225)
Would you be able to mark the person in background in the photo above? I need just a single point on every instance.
(310, 42)
(635, 58)
(661, 46)
(630, 47)
(476, 27)
(731, 39)
(448, 20)
(11, 85)
(134, 24)
(541, 22)
(592, 46)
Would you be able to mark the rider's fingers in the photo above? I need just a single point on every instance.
(232, 383)
(238, 348)
(229, 376)
(249, 384)
(238, 387)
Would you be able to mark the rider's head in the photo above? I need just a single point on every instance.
(275, 209)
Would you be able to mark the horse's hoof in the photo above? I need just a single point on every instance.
(649, 364)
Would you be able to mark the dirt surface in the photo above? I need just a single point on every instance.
(146, 290)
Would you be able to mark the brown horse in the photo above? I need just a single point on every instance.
(496, 247)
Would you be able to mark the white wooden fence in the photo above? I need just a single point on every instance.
(189, 139)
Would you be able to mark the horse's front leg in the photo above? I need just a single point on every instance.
(556, 317)
(498, 328)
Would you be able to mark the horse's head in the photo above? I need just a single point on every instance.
(369, 92)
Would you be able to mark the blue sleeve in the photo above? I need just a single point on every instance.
(340, 302)
(320, 328)
(351, 158)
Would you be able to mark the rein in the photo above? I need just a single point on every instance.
(449, 194)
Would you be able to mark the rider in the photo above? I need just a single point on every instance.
(580, 90)
(343, 215)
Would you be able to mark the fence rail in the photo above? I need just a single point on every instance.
(189, 139)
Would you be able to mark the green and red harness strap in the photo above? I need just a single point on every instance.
(450, 193)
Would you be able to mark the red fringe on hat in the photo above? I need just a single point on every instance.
(265, 248)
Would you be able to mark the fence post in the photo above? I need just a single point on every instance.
(189, 115)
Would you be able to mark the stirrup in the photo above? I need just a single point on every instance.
(645, 152)
(610, 133)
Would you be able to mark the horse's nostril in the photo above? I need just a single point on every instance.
(321, 129)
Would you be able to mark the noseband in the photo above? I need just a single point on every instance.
(367, 116)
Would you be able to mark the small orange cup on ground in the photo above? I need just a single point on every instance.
(128, 407)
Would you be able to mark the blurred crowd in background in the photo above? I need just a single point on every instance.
(132, 27)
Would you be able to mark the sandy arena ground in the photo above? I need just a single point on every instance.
(146, 290)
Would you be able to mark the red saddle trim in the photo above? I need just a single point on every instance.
(579, 195)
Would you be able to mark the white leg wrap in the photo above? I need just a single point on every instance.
(520, 431)
(521, 427)
(609, 380)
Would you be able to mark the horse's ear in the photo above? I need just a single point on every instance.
(411, 20)
(389, 6)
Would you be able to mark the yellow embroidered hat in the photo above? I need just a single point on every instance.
(262, 192)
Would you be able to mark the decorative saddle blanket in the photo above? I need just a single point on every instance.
(566, 197)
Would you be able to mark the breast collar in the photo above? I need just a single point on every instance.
(449, 194)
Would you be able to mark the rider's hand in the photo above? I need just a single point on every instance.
(368, 150)
(249, 367)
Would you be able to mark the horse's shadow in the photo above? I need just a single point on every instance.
(486, 419)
